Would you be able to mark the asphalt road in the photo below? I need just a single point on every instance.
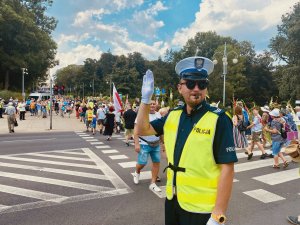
(75, 178)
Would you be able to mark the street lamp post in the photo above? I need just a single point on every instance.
(51, 101)
(24, 72)
(225, 65)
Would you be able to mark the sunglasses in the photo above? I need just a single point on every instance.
(191, 84)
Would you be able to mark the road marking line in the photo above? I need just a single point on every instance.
(96, 143)
(279, 177)
(109, 151)
(45, 139)
(114, 157)
(49, 162)
(69, 150)
(52, 181)
(102, 146)
(78, 198)
(84, 135)
(121, 138)
(92, 139)
(263, 195)
(60, 157)
(72, 153)
(128, 164)
(32, 194)
(52, 170)
(87, 137)
(254, 165)
(107, 171)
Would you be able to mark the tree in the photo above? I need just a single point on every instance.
(23, 44)
(286, 47)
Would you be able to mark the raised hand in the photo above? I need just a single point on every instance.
(148, 87)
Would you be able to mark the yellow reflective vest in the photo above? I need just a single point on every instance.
(89, 114)
(197, 173)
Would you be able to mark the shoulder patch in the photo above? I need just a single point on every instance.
(177, 108)
(216, 110)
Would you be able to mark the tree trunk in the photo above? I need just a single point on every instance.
(6, 80)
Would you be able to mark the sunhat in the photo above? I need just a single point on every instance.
(293, 151)
(265, 109)
(275, 112)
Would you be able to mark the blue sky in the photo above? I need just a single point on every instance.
(86, 28)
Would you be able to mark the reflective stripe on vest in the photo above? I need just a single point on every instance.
(196, 188)
(89, 115)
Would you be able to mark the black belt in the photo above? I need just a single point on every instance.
(175, 168)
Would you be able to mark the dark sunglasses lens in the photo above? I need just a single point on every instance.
(190, 84)
(202, 85)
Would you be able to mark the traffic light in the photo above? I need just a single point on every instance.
(55, 89)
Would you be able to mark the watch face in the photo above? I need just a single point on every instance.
(222, 219)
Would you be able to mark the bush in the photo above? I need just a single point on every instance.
(7, 94)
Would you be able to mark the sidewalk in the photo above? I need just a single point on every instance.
(32, 124)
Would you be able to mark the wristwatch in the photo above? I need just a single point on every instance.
(221, 219)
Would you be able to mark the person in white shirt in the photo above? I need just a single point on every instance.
(145, 146)
(100, 118)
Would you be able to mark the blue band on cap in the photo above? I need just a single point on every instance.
(194, 74)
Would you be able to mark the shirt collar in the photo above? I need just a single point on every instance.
(197, 108)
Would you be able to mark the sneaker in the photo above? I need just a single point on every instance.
(263, 156)
(127, 144)
(294, 220)
(136, 177)
(250, 156)
(153, 187)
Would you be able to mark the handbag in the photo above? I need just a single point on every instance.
(16, 123)
(292, 135)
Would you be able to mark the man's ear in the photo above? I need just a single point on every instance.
(179, 88)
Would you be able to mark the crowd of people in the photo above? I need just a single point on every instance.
(198, 138)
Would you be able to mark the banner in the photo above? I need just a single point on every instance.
(117, 100)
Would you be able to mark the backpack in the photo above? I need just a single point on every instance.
(283, 132)
(242, 124)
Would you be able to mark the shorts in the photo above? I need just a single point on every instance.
(88, 123)
(100, 121)
(144, 153)
(276, 147)
(256, 136)
(128, 131)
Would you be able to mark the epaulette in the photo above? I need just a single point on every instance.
(176, 108)
(216, 110)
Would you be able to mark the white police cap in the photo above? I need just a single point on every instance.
(195, 68)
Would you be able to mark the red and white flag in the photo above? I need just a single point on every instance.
(117, 100)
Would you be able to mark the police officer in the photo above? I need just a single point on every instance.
(199, 146)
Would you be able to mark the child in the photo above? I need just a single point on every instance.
(93, 124)
(277, 140)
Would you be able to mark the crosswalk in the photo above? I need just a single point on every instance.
(83, 175)
(56, 177)
(272, 177)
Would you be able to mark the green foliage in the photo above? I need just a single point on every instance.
(286, 46)
(25, 41)
(7, 94)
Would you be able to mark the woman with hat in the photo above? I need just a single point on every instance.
(277, 140)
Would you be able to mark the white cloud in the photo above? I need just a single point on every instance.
(118, 37)
(244, 20)
(144, 23)
(76, 56)
(65, 39)
(84, 17)
(122, 4)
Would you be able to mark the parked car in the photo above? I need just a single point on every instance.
(37, 96)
